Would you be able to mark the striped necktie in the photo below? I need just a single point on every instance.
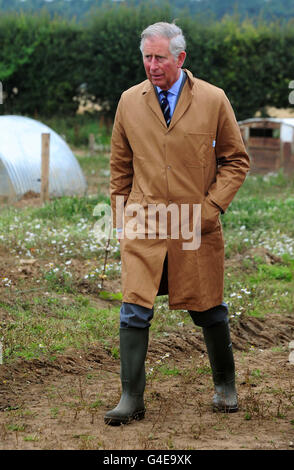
(165, 107)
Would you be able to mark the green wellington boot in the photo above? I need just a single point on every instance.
(133, 350)
(219, 348)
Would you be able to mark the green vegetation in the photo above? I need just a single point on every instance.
(46, 326)
(76, 130)
(260, 237)
(204, 8)
(49, 66)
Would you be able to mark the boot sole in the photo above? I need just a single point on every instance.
(117, 421)
(225, 409)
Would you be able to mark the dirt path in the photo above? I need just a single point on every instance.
(60, 405)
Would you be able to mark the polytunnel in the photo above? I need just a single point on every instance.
(20, 161)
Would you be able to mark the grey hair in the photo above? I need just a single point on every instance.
(168, 30)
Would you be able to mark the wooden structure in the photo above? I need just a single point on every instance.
(45, 168)
(269, 143)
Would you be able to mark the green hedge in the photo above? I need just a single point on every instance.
(44, 62)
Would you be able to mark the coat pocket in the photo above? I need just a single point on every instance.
(198, 149)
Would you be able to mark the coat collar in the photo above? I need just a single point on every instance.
(183, 103)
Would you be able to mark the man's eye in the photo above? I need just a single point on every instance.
(158, 58)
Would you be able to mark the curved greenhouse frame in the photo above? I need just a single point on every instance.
(20, 161)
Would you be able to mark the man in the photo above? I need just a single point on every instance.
(182, 148)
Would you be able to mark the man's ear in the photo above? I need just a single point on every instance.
(181, 58)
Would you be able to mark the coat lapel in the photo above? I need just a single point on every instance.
(184, 101)
(152, 102)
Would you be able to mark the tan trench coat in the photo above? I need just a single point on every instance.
(199, 159)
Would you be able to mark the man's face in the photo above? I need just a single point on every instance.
(161, 67)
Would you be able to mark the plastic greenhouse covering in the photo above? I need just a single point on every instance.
(20, 161)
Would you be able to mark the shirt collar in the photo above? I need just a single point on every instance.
(174, 90)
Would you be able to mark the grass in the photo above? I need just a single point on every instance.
(169, 371)
(53, 304)
(35, 331)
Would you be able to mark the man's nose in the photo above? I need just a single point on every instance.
(153, 64)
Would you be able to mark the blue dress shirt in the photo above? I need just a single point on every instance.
(173, 93)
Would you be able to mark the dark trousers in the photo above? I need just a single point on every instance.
(136, 316)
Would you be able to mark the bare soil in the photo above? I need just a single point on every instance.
(61, 404)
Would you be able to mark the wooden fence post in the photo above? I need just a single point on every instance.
(91, 143)
(45, 167)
